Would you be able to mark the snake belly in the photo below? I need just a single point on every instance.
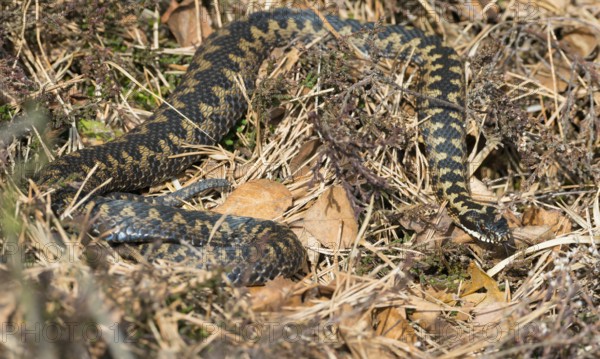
(208, 102)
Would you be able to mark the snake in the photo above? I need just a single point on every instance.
(207, 103)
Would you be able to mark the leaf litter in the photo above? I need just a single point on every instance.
(390, 275)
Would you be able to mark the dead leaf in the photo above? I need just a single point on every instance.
(472, 300)
(459, 236)
(545, 78)
(481, 192)
(275, 294)
(331, 219)
(309, 242)
(468, 303)
(426, 313)
(490, 313)
(262, 199)
(414, 218)
(558, 223)
(582, 41)
(512, 219)
(441, 295)
(188, 24)
(135, 34)
(289, 59)
(354, 322)
(299, 165)
(392, 323)
(479, 280)
(474, 10)
(430, 314)
(557, 6)
(533, 234)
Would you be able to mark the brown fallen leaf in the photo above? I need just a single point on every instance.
(479, 279)
(581, 40)
(392, 323)
(491, 313)
(426, 314)
(472, 300)
(262, 199)
(133, 33)
(545, 77)
(474, 10)
(459, 236)
(354, 322)
(533, 234)
(558, 223)
(274, 295)
(288, 57)
(443, 228)
(309, 242)
(468, 304)
(486, 308)
(441, 295)
(415, 219)
(299, 165)
(481, 192)
(331, 219)
(188, 24)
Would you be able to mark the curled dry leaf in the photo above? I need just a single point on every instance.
(421, 219)
(481, 192)
(545, 77)
(556, 6)
(188, 24)
(309, 242)
(492, 313)
(533, 234)
(331, 219)
(426, 313)
(581, 40)
(441, 295)
(487, 308)
(479, 10)
(354, 322)
(429, 304)
(262, 199)
(286, 57)
(300, 164)
(554, 219)
(275, 294)
(392, 323)
(479, 280)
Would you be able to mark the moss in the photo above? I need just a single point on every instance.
(6, 113)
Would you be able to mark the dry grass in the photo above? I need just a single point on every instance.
(407, 286)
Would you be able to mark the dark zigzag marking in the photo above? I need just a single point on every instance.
(451, 163)
(447, 132)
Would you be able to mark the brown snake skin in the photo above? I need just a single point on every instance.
(207, 104)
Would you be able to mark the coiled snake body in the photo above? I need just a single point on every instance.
(202, 109)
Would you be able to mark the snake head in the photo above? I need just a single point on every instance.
(489, 228)
(497, 233)
(494, 232)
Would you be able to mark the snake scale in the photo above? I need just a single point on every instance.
(202, 109)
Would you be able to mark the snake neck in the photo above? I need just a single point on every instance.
(444, 133)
